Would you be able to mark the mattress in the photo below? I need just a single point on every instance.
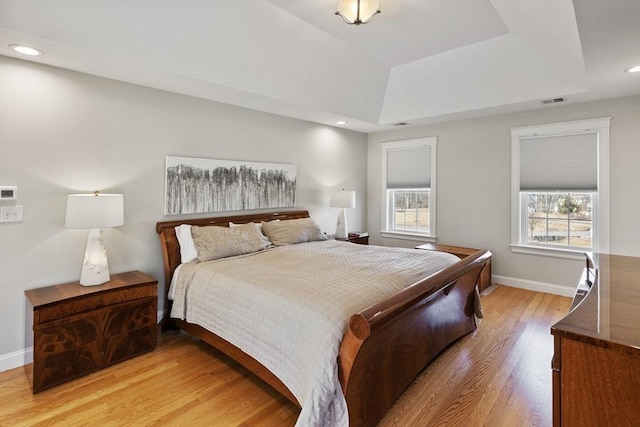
(289, 307)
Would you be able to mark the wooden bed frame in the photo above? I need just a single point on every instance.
(386, 345)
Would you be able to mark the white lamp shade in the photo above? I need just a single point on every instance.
(94, 210)
(348, 9)
(343, 199)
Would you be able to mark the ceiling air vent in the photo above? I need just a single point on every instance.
(552, 101)
(400, 124)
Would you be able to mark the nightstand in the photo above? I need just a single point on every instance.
(485, 275)
(81, 329)
(359, 240)
(364, 240)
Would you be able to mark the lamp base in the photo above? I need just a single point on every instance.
(341, 227)
(95, 268)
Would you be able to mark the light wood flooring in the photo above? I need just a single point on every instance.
(500, 375)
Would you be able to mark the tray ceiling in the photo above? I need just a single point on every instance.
(417, 62)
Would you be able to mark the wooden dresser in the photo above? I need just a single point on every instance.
(78, 330)
(596, 361)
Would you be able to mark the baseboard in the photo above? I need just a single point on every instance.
(532, 285)
(16, 359)
(25, 356)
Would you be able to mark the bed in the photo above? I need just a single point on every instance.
(383, 345)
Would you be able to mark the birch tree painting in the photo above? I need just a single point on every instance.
(207, 185)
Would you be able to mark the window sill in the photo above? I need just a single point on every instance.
(574, 254)
(408, 236)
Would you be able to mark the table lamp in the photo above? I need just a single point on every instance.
(95, 212)
(342, 199)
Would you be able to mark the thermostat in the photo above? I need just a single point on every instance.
(8, 192)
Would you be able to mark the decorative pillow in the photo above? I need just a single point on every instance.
(187, 248)
(265, 239)
(293, 231)
(214, 242)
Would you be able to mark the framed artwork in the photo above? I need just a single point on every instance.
(194, 185)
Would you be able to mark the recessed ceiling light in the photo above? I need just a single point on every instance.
(635, 69)
(26, 50)
(341, 122)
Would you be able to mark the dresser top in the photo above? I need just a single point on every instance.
(52, 294)
(609, 315)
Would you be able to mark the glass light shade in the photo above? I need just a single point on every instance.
(94, 210)
(343, 199)
(358, 12)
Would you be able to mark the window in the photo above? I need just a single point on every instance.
(410, 210)
(408, 183)
(558, 219)
(560, 197)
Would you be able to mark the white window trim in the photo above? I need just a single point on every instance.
(430, 141)
(601, 214)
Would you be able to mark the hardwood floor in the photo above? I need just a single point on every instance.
(500, 375)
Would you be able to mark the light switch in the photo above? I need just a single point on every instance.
(10, 213)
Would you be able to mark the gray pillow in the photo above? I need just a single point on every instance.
(215, 242)
(265, 240)
(293, 231)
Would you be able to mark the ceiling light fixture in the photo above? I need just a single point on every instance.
(341, 122)
(356, 12)
(25, 50)
(635, 69)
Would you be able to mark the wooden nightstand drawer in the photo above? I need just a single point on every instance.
(62, 367)
(78, 330)
(124, 346)
(62, 337)
(83, 303)
(129, 317)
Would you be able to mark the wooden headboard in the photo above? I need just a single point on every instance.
(171, 247)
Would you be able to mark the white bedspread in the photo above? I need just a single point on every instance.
(289, 307)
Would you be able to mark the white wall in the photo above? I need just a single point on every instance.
(64, 132)
(473, 193)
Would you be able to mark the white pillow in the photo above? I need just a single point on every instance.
(188, 250)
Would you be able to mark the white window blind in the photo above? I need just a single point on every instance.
(409, 168)
(568, 162)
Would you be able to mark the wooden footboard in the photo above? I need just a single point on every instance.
(388, 344)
